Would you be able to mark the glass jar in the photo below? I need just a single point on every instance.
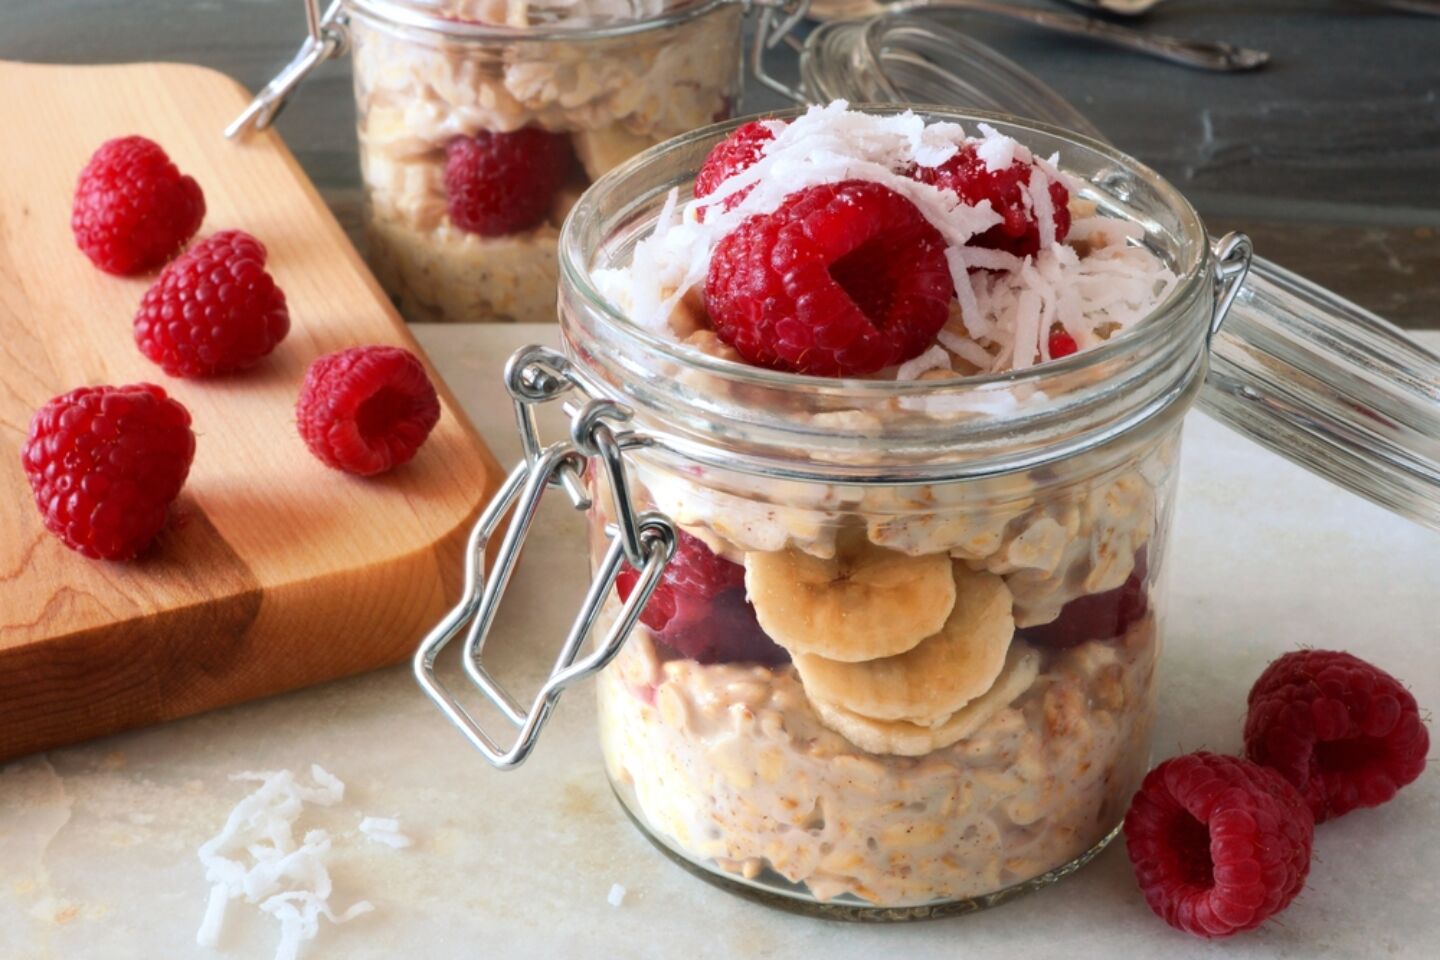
(925, 678)
(589, 84)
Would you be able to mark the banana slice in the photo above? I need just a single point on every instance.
(905, 739)
(864, 603)
(936, 678)
(605, 148)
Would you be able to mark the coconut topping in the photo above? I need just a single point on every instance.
(1006, 306)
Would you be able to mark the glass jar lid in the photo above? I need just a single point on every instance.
(1306, 373)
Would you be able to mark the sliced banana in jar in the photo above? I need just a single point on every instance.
(936, 678)
(864, 603)
(904, 739)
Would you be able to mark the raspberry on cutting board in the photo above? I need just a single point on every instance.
(133, 208)
(843, 279)
(105, 463)
(367, 409)
(1219, 844)
(213, 310)
(1344, 732)
(499, 183)
(699, 608)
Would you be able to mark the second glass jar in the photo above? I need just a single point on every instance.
(437, 84)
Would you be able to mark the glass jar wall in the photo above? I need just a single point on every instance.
(907, 662)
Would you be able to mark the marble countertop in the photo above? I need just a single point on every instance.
(97, 842)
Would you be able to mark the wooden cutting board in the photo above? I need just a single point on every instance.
(274, 571)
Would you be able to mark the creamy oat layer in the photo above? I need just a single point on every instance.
(732, 764)
(613, 97)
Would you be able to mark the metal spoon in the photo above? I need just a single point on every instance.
(1200, 54)
(1123, 8)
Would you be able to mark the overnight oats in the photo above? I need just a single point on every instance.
(481, 121)
(892, 687)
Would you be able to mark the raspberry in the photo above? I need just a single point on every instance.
(133, 209)
(366, 409)
(842, 279)
(213, 310)
(1096, 616)
(699, 608)
(500, 183)
(1019, 233)
(1219, 844)
(105, 463)
(1343, 731)
(1062, 344)
(729, 157)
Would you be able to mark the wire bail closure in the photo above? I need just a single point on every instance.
(1233, 253)
(327, 40)
(536, 375)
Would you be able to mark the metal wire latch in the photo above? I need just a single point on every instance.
(327, 40)
(1233, 253)
(646, 541)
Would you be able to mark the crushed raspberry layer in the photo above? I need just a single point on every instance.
(213, 310)
(133, 208)
(1344, 732)
(105, 463)
(366, 410)
(1097, 616)
(699, 608)
(843, 279)
(1219, 844)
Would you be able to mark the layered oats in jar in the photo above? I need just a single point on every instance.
(481, 121)
(918, 393)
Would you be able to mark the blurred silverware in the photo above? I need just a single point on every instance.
(1123, 8)
(1200, 54)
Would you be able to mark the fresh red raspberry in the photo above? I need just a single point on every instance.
(699, 608)
(105, 463)
(1096, 616)
(1062, 344)
(843, 279)
(213, 310)
(1219, 844)
(728, 157)
(501, 183)
(366, 409)
(1019, 233)
(133, 209)
(1344, 732)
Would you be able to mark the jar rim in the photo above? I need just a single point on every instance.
(577, 272)
(400, 13)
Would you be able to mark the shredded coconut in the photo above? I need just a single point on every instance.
(1007, 306)
(617, 895)
(255, 856)
(384, 830)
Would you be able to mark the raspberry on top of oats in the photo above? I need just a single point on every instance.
(1034, 273)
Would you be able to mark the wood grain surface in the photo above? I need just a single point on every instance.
(274, 571)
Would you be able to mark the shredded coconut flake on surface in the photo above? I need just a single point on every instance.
(255, 856)
(384, 830)
(617, 895)
(1007, 306)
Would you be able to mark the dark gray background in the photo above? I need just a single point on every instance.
(1329, 158)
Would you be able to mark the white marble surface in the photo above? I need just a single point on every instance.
(97, 842)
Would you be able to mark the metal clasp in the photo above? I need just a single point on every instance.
(536, 375)
(1233, 253)
(778, 19)
(327, 39)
